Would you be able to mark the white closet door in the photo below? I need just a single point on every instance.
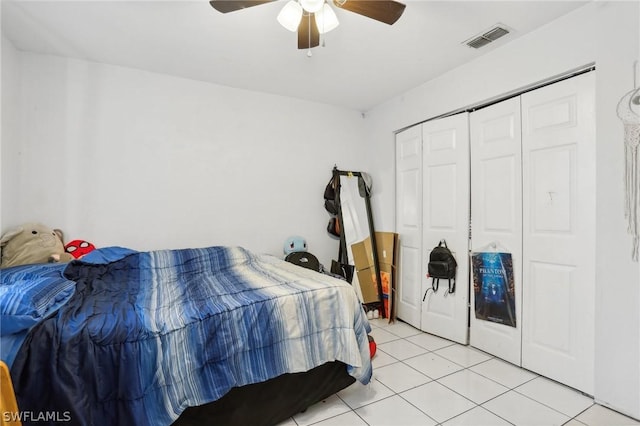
(409, 224)
(446, 216)
(559, 231)
(496, 213)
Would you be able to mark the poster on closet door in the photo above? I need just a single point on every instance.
(494, 287)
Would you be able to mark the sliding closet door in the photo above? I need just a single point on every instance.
(496, 213)
(559, 231)
(409, 224)
(445, 215)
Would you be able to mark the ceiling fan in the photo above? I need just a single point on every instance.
(310, 18)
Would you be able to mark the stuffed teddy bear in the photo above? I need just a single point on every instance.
(32, 243)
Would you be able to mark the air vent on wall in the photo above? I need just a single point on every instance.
(492, 35)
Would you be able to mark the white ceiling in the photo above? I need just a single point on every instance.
(363, 62)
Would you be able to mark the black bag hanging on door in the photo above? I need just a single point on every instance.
(442, 265)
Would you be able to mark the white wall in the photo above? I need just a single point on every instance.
(607, 33)
(9, 149)
(617, 356)
(124, 157)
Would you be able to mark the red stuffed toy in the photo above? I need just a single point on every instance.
(78, 248)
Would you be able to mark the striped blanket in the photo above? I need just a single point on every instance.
(29, 294)
(149, 335)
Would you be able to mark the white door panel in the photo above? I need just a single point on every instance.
(559, 228)
(496, 213)
(446, 216)
(409, 224)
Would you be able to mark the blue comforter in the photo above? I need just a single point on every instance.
(149, 335)
(28, 294)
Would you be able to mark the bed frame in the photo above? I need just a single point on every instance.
(271, 402)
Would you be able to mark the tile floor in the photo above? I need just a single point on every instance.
(421, 379)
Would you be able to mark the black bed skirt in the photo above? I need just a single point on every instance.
(271, 402)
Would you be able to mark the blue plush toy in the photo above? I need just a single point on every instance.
(294, 244)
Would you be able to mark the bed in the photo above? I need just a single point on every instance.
(216, 335)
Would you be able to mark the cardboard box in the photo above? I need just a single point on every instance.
(369, 285)
(361, 254)
(387, 245)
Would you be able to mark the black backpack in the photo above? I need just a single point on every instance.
(443, 265)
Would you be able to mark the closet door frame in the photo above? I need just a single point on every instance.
(527, 263)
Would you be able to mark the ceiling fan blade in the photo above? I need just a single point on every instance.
(226, 6)
(387, 11)
(308, 35)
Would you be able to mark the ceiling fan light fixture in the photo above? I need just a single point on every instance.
(326, 19)
(312, 18)
(312, 6)
(290, 15)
